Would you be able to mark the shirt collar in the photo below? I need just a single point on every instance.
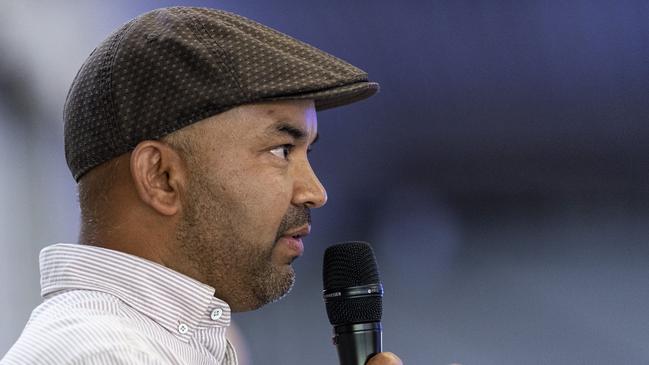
(177, 302)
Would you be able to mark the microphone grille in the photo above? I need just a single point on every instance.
(346, 265)
(349, 264)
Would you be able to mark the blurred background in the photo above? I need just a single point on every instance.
(501, 174)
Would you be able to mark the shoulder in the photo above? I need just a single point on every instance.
(86, 327)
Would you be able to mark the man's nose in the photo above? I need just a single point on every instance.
(308, 190)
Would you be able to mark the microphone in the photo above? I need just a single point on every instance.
(353, 295)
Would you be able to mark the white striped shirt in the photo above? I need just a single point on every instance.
(108, 307)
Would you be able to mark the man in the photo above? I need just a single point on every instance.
(187, 130)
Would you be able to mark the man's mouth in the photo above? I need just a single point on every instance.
(299, 232)
(293, 239)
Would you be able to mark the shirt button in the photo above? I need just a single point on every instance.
(216, 314)
(182, 328)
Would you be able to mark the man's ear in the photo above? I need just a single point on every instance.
(159, 176)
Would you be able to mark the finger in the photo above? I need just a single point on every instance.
(385, 358)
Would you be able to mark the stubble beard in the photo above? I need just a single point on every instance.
(212, 244)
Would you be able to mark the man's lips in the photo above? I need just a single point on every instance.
(293, 239)
(298, 232)
(295, 245)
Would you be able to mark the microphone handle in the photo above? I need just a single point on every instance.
(357, 342)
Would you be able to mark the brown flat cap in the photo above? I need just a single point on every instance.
(172, 67)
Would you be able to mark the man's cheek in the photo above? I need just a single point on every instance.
(272, 189)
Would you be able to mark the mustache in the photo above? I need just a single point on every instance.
(295, 217)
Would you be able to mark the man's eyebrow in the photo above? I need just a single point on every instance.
(286, 128)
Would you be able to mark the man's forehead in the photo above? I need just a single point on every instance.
(298, 132)
(298, 121)
(294, 118)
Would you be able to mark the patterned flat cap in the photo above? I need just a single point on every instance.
(172, 67)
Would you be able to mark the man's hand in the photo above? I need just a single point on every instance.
(385, 358)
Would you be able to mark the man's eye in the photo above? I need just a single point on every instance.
(282, 151)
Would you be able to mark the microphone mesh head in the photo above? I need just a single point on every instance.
(347, 265)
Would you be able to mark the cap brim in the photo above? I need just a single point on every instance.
(337, 96)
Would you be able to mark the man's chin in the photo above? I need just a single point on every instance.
(268, 286)
(278, 285)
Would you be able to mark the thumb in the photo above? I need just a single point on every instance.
(385, 358)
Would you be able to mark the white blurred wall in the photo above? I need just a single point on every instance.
(42, 44)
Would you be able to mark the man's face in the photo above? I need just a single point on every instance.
(247, 204)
